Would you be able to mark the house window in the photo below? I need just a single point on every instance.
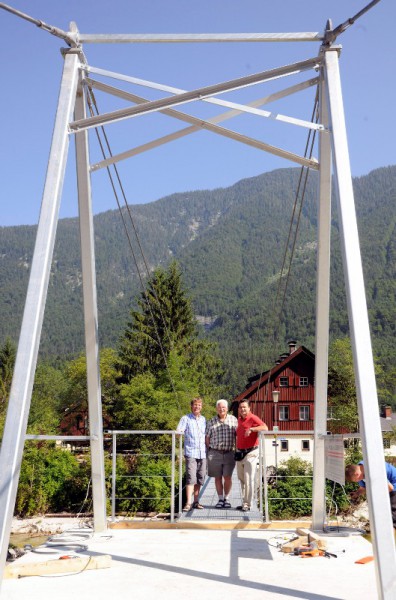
(304, 413)
(387, 444)
(283, 381)
(303, 381)
(305, 445)
(284, 445)
(284, 413)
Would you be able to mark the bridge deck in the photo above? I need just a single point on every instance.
(208, 499)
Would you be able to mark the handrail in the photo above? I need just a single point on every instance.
(263, 483)
(173, 433)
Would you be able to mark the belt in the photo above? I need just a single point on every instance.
(220, 450)
(247, 449)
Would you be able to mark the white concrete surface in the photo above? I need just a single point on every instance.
(200, 564)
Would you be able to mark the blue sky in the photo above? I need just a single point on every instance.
(31, 69)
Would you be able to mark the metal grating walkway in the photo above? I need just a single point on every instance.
(208, 499)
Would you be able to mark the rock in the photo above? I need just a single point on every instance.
(45, 525)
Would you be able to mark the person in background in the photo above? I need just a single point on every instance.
(248, 442)
(356, 474)
(220, 440)
(193, 426)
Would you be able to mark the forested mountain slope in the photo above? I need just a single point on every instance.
(230, 243)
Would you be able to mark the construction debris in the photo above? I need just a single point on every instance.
(54, 567)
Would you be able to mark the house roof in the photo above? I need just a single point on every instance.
(261, 379)
(388, 423)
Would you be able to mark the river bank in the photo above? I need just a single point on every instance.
(43, 525)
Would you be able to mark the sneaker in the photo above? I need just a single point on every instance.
(245, 508)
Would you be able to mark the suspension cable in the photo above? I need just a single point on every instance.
(92, 105)
(332, 35)
(42, 25)
(309, 145)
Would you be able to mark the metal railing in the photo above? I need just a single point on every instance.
(263, 480)
(176, 454)
(173, 434)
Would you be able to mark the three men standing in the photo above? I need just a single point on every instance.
(220, 440)
(193, 426)
(248, 443)
(216, 440)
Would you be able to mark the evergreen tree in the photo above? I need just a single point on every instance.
(164, 322)
(341, 388)
(7, 361)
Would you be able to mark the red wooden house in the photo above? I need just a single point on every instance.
(293, 377)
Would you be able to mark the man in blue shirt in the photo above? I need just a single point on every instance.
(193, 427)
(356, 474)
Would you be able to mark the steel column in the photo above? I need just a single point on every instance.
(90, 319)
(370, 429)
(26, 358)
(322, 315)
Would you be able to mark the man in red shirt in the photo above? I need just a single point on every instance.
(247, 440)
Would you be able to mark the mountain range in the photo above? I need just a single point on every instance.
(231, 244)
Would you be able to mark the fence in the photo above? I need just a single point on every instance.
(263, 469)
(176, 467)
(172, 455)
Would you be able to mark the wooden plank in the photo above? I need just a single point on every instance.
(302, 540)
(215, 525)
(313, 537)
(53, 567)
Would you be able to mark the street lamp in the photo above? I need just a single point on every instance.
(275, 400)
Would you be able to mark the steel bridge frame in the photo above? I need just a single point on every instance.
(71, 119)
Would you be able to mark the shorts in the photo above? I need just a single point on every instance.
(195, 470)
(220, 463)
(392, 497)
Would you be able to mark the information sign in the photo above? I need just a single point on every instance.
(334, 460)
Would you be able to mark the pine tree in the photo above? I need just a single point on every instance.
(7, 361)
(164, 322)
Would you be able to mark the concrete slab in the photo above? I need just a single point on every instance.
(204, 564)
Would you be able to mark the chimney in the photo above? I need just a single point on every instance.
(388, 412)
(283, 356)
(292, 346)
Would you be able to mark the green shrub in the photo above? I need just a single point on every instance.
(291, 496)
(294, 480)
(51, 480)
(143, 484)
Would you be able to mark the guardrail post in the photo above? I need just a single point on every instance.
(264, 467)
(260, 474)
(180, 473)
(173, 477)
(113, 477)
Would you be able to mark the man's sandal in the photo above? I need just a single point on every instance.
(187, 508)
(197, 505)
(220, 504)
